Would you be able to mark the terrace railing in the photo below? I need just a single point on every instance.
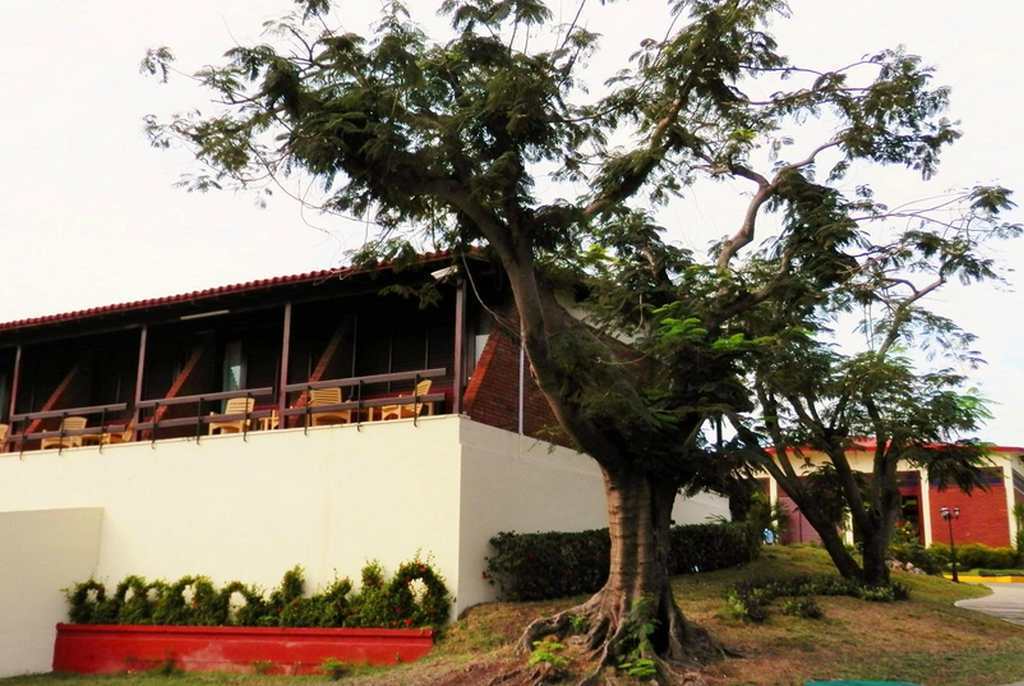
(357, 383)
(101, 429)
(201, 401)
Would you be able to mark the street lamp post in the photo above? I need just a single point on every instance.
(949, 514)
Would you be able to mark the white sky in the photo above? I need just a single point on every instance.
(89, 216)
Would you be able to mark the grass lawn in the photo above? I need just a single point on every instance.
(925, 640)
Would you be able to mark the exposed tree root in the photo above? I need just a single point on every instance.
(606, 631)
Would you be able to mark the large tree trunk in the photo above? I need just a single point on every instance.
(876, 547)
(637, 591)
(834, 545)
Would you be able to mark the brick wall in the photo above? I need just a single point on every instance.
(983, 515)
(492, 395)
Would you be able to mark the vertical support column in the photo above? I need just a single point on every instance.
(926, 506)
(286, 339)
(1011, 522)
(139, 371)
(15, 380)
(460, 331)
(522, 386)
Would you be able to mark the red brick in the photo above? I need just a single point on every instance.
(983, 515)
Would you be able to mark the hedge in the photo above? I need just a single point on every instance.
(557, 564)
(976, 555)
(194, 600)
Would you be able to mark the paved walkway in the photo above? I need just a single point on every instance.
(1006, 603)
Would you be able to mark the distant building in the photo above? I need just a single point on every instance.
(986, 515)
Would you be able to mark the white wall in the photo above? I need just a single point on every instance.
(516, 483)
(329, 500)
(250, 510)
(41, 552)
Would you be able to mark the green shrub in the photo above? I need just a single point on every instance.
(547, 652)
(415, 597)
(976, 555)
(1001, 572)
(746, 606)
(807, 608)
(917, 555)
(85, 599)
(192, 600)
(333, 668)
(557, 564)
(748, 600)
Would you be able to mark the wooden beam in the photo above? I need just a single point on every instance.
(286, 339)
(179, 382)
(460, 326)
(139, 369)
(14, 381)
(54, 397)
(14, 394)
(324, 361)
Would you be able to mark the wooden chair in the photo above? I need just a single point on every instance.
(108, 438)
(66, 424)
(328, 396)
(406, 410)
(233, 406)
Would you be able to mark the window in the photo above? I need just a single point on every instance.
(233, 377)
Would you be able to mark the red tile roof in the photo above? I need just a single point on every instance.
(233, 289)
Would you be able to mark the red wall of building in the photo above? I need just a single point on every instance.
(492, 395)
(798, 529)
(983, 515)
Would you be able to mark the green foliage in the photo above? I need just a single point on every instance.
(578, 623)
(635, 648)
(415, 596)
(807, 608)
(333, 668)
(639, 668)
(548, 652)
(1001, 572)
(85, 599)
(749, 600)
(192, 600)
(975, 555)
(520, 565)
(1018, 515)
(917, 555)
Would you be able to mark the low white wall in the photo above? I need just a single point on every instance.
(516, 483)
(249, 510)
(41, 552)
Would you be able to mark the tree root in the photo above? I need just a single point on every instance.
(604, 635)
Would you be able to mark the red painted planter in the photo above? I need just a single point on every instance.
(106, 648)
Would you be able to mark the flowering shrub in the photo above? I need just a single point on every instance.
(558, 564)
(415, 597)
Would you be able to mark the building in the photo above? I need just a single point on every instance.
(311, 419)
(986, 515)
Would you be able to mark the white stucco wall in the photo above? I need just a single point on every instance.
(41, 552)
(516, 483)
(329, 500)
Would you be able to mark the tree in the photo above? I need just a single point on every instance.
(452, 139)
(814, 396)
